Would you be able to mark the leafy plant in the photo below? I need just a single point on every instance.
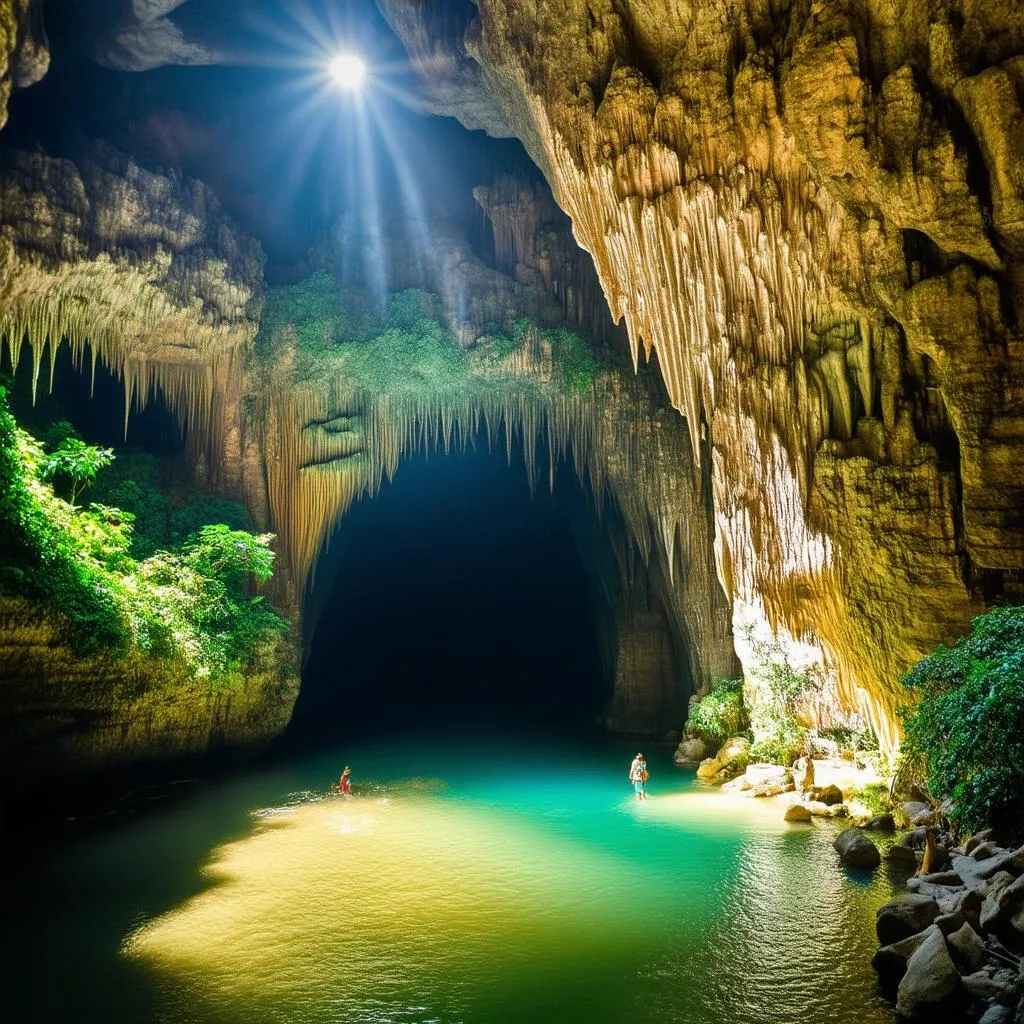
(781, 688)
(191, 603)
(967, 726)
(720, 713)
(77, 462)
(874, 796)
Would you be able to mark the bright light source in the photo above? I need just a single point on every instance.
(348, 71)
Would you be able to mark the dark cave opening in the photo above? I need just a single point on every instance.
(454, 599)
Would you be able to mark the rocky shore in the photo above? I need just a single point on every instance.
(951, 948)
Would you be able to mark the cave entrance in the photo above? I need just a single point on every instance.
(454, 598)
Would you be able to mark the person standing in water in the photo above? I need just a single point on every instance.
(344, 784)
(638, 776)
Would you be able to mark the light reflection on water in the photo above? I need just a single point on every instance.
(519, 888)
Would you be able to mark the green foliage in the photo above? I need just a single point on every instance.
(190, 603)
(200, 509)
(574, 359)
(720, 713)
(781, 687)
(401, 347)
(968, 724)
(76, 462)
(40, 556)
(778, 738)
(131, 483)
(874, 796)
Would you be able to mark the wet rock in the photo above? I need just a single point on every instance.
(890, 962)
(997, 1014)
(709, 768)
(1001, 987)
(797, 812)
(992, 907)
(691, 750)
(976, 840)
(912, 808)
(881, 823)
(966, 948)
(931, 982)
(901, 855)
(904, 917)
(856, 850)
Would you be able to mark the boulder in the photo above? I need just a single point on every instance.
(931, 981)
(856, 850)
(691, 750)
(997, 1014)
(901, 855)
(797, 812)
(820, 810)
(736, 748)
(890, 962)
(918, 814)
(828, 795)
(976, 840)
(915, 839)
(984, 850)
(1000, 987)
(904, 917)
(740, 785)
(966, 949)
(709, 768)
(992, 908)
(881, 823)
(763, 774)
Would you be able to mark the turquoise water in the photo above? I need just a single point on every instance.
(463, 883)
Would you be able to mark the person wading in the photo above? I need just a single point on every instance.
(344, 784)
(638, 776)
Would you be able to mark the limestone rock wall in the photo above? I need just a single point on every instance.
(811, 213)
(24, 57)
(61, 713)
(138, 270)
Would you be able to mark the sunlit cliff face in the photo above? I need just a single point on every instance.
(812, 213)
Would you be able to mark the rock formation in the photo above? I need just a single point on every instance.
(63, 714)
(812, 214)
(24, 57)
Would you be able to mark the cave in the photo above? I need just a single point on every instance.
(512, 511)
(482, 581)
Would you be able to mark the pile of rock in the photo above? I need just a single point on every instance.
(952, 945)
(729, 762)
(762, 780)
(818, 802)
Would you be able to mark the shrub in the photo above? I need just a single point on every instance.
(781, 687)
(778, 738)
(720, 713)
(968, 724)
(191, 603)
(874, 796)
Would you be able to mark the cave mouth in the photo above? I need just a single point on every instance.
(454, 600)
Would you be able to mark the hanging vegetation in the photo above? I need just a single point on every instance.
(190, 603)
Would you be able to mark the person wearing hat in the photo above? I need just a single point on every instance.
(638, 776)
